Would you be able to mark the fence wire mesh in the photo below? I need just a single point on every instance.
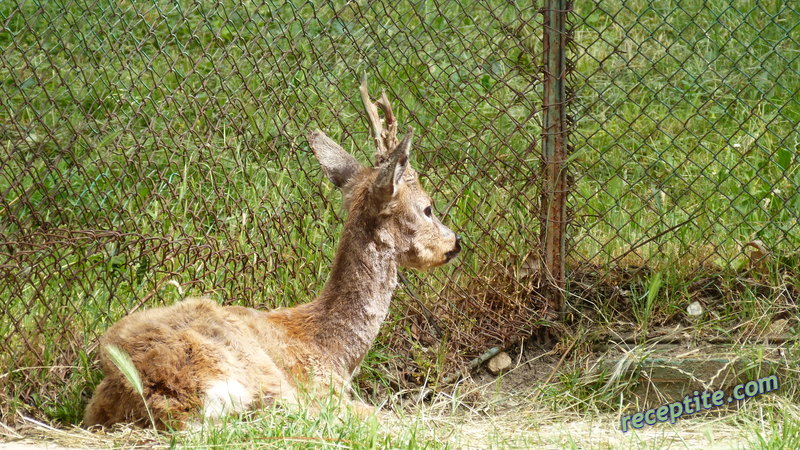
(687, 133)
(152, 150)
(156, 149)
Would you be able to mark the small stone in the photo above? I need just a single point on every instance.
(694, 309)
(499, 363)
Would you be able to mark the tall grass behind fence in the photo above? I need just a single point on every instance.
(152, 150)
(687, 133)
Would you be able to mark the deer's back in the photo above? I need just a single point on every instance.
(192, 356)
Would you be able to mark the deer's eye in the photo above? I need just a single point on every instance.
(428, 211)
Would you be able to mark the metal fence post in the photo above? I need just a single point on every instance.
(554, 150)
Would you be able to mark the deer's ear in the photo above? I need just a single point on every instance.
(393, 169)
(338, 165)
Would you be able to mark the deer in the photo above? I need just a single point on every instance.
(199, 360)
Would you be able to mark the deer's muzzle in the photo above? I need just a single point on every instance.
(452, 253)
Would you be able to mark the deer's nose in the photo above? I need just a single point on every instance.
(452, 253)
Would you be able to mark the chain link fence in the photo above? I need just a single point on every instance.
(687, 138)
(687, 133)
(152, 150)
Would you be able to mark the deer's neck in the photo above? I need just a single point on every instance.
(355, 300)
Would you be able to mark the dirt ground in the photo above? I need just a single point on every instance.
(517, 428)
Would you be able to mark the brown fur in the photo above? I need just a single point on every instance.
(192, 354)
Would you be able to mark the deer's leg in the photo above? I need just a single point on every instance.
(362, 409)
(334, 390)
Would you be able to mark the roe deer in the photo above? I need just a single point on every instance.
(198, 359)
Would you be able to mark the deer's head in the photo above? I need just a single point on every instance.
(387, 199)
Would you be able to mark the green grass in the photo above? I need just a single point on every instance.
(436, 425)
(143, 143)
(333, 426)
(687, 111)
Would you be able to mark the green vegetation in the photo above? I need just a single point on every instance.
(688, 112)
(151, 151)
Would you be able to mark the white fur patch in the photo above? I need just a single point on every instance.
(225, 397)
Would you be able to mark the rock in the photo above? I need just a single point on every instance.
(499, 363)
(694, 309)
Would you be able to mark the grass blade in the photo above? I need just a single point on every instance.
(125, 365)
